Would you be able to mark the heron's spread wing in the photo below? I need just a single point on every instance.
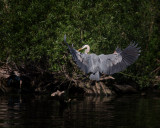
(86, 62)
(82, 60)
(107, 64)
(113, 63)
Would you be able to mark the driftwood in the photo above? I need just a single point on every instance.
(42, 82)
(91, 87)
(57, 93)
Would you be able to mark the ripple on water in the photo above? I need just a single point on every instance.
(90, 112)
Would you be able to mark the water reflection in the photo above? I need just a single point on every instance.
(89, 112)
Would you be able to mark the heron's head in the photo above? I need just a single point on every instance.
(86, 47)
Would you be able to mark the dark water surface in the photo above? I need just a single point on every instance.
(17, 111)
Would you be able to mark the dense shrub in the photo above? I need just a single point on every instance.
(31, 31)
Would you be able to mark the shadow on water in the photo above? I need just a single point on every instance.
(29, 111)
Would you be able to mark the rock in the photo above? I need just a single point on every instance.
(125, 88)
(143, 94)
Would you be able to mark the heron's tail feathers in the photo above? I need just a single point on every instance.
(94, 76)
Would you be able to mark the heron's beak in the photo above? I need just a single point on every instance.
(79, 49)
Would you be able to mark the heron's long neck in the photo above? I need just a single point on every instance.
(87, 50)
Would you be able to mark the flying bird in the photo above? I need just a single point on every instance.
(95, 65)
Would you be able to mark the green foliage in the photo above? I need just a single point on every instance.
(32, 31)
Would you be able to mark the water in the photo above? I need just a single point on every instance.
(132, 111)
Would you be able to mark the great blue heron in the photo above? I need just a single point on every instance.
(104, 64)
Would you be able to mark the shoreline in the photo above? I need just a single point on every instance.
(12, 80)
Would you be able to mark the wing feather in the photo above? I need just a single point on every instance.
(114, 63)
(88, 63)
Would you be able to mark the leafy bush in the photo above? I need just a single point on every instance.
(32, 31)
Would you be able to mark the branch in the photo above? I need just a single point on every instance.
(106, 78)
